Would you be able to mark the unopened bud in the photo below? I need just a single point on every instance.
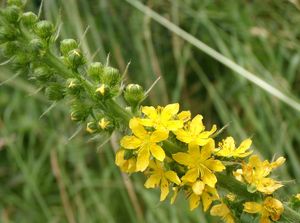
(55, 92)
(19, 3)
(95, 70)
(12, 13)
(10, 48)
(91, 127)
(36, 46)
(67, 45)
(103, 91)
(134, 94)
(42, 74)
(79, 112)
(110, 76)
(75, 59)
(44, 29)
(29, 19)
(73, 86)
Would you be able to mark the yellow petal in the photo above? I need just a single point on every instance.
(196, 125)
(208, 177)
(184, 116)
(205, 153)
(164, 187)
(193, 150)
(245, 145)
(172, 176)
(157, 152)
(198, 187)
(215, 165)
(183, 136)
(208, 196)
(153, 181)
(207, 134)
(219, 210)
(173, 125)
(194, 201)
(182, 158)
(142, 159)
(169, 111)
(252, 207)
(278, 162)
(150, 112)
(191, 175)
(119, 160)
(137, 129)
(146, 122)
(158, 136)
(130, 142)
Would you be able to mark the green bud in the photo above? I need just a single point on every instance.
(29, 19)
(44, 29)
(12, 13)
(55, 92)
(10, 48)
(75, 59)
(103, 92)
(95, 70)
(19, 3)
(7, 33)
(110, 76)
(67, 45)
(134, 94)
(91, 127)
(79, 112)
(73, 86)
(21, 58)
(251, 188)
(36, 46)
(42, 73)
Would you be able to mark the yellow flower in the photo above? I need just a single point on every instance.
(200, 191)
(297, 196)
(126, 165)
(255, 173)
(160, 177)
(184, 116)
(193, 132)
(145, 143)
(222, 211)
(270, 209)
(162, 118)
(228, 149)
(200, 163)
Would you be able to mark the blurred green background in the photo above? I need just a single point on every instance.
(47, 177)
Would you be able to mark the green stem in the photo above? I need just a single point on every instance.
(290, 214)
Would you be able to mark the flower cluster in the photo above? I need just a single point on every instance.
(176, 151)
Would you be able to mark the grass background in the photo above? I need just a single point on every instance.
(46, 177)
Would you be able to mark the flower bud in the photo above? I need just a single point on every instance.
(7, 34)
(104, 124)
(44, 29)
(95, 70)
(103, 92)
(19, 3)
(110, 76)
(91, 127)
(12, 13)
(134, 94)
(10, 48)
(75, 59)
(42, 74)
(79, 112)
(67, 45)
(29, 19)
(21, 58)
(55, 92)
(36, 47)
(73, 86)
